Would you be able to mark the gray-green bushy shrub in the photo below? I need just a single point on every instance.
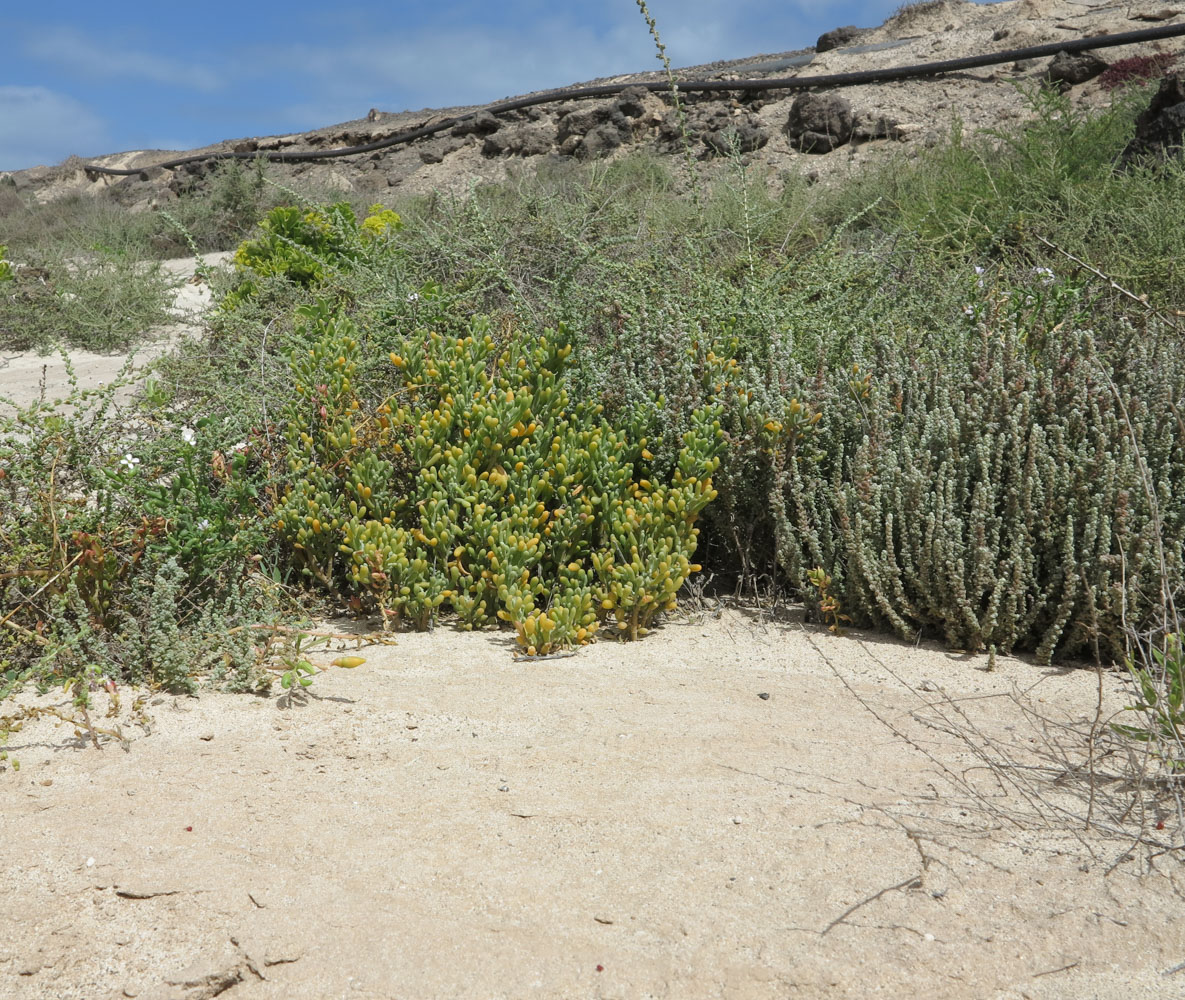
(987, 489)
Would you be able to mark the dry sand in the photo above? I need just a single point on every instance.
(634, 821)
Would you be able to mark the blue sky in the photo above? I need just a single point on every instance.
(92, 78)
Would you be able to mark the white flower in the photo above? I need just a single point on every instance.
(1045, 274)
(969, 311)
(241, 446)
(980, 272)
(414, 297)
(129, 462)
(204, 523)
(188, 435)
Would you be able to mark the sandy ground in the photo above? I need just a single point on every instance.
(729, 808)
(22, 374)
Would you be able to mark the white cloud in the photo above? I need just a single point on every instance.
(38, 125)
(342, 81)
(90, 57)
(343, 77)
(351, 65)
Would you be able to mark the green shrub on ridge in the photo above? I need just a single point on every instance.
(306, 245)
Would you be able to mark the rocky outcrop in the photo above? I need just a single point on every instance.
(871, 129)
(735, 135)
(437, 150)
(819, 123)
(519, 140)
(1160, 129)
(838, 37)
(1066, 70)
(590, 132)
(482, 123)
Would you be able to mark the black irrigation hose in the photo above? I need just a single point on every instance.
(703, 86)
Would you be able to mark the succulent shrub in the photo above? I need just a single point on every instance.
(306, 245)
(478, 485)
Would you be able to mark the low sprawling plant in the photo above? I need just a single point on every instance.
(477, 485)
(100, 301)
(124, 550)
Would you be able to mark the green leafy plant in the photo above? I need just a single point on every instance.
(293, 669)
(89, 572)
(286, 654)
(1160, 686)
(307, 245)
(477, 484)
(203, 513)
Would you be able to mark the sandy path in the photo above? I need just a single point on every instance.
(630, 822)
(21, 374)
